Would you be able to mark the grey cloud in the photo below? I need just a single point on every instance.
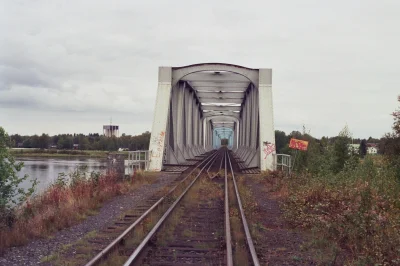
(333, 62)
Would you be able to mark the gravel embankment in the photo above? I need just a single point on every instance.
(34, 251)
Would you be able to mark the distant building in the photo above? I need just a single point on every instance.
(75, 147)
(354, 148)
(111, 131)
(372, 148)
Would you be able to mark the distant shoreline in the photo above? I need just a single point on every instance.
(61, 153)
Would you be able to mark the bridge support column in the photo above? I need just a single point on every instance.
(267, 132)
(158, 132)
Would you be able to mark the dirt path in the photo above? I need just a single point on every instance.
(34, 251)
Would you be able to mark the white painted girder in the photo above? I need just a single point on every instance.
(227, 114)
(208, 76)
(180, 73)
(201, 94)
(222, 124)
(219, 84)
(231, 88)
(218, 100)
(221, 108)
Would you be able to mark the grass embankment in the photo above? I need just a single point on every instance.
(358, 209)
(61, 153)
(63, 204)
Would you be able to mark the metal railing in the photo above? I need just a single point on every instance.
(283, 162)
(138, 160)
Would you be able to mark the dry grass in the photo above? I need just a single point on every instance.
(358, 209)
(64, 204)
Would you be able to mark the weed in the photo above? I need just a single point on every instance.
(65, 203)
(358, 209)
(49, 258)
(296, 258)
(91, 234)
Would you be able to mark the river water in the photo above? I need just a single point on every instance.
(46, 170)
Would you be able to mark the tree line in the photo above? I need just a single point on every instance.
(282, 141)
(141, 142)
(334, 154)
(85, 142)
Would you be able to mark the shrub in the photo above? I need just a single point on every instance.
(359, 208)
(11, 195)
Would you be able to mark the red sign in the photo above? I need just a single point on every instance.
(298, 144)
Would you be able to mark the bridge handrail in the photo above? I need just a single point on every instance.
(285, 162)
(136, 158)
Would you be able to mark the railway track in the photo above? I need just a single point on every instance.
(193, 224)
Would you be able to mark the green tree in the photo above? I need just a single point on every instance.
(281, 141)
(27, 143)
(10, 193)
(34, 141)
(44, 141)
(84, 143)
(396, 117)
(390, 144)
(363, 148)
(17, 139)
(341, 152)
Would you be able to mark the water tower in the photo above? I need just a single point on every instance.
(111, 130)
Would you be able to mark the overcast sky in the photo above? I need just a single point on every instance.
(68, 66)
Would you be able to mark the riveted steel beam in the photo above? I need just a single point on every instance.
(220, 108)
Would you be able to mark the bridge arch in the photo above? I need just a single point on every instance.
(180, 72)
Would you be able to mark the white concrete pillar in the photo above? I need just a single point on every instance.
(254, 118)
(158, 132)
(267, 132)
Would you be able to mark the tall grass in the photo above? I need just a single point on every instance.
(69, 200)
(358, 208)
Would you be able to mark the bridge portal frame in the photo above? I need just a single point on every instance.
(168, 77)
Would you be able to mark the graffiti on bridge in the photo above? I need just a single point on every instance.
(158, 140)
(268, 148)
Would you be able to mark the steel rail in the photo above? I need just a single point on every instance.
(220, 165)
(244, 221)
(142, 245)
(228, 236)
(116, 241)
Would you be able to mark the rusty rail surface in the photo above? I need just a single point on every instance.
(228, 237)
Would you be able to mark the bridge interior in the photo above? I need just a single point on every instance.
(199, 105)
